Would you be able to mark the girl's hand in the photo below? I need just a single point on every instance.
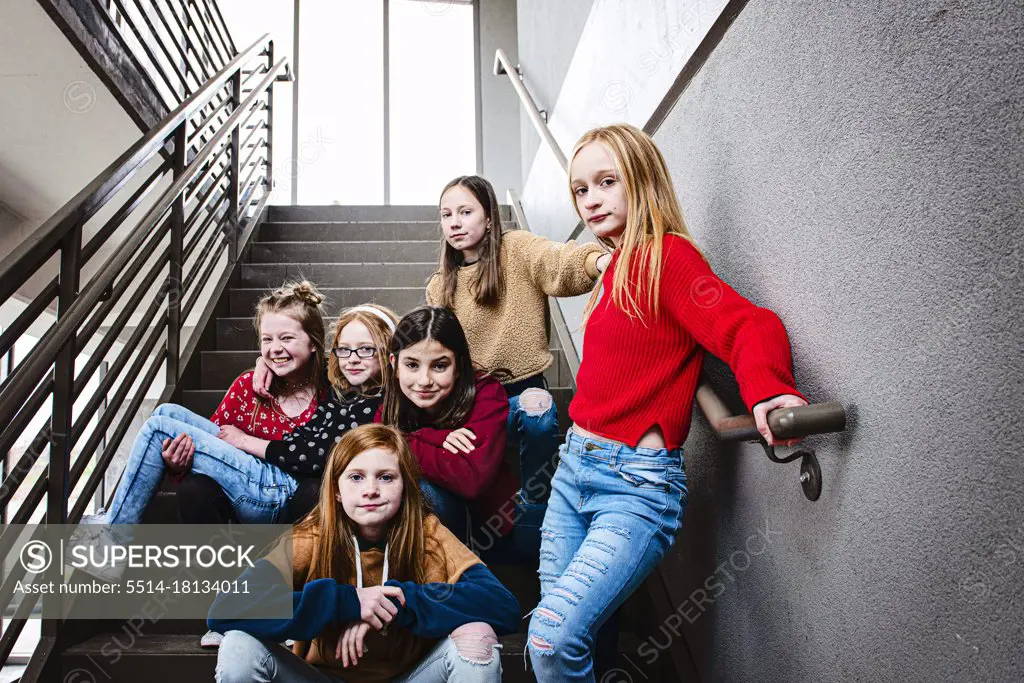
(350, 644)
(178, 452)
(460, 440)
(603, 261)
(374, 606)
(234, 436)
(761, 411)
(261, 376)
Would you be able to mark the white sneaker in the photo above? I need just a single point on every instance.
(95, 534)
(211, 639)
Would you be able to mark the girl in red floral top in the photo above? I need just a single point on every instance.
(290, 324)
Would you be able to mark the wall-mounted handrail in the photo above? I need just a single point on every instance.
(784, 422)
(502, 66)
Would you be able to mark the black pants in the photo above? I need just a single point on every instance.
(201, 500)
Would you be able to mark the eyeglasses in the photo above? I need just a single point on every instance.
(361, 352)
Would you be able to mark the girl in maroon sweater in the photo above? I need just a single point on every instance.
(454, 418)
(619, 492)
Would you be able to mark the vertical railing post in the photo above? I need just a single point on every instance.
(175, 287)
(61, 416)
(269, 184)
(234, 177)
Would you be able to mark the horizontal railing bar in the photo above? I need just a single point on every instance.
(16, 267)
(48, 347)
(189, 305)
(188, 41)
(145, 46)
(13, 430)
(92, 483)
(17, 624)
(213, 210)
(214, 235)
(25, 319)
(132, 371)
(100, 395)
(131, 204)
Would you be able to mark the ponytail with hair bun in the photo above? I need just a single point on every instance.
(302, 302)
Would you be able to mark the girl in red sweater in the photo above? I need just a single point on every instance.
(619, 492)
(454, 418)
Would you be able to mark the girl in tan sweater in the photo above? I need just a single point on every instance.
(498, 284)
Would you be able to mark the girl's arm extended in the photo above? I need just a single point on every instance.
(750, 339)
(319, 604)
(467, 474)
(557, 269)
(434, 610)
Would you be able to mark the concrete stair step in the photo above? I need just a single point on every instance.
(174, 657)
(269, 275)
(371, 213)
(345, 252)
(401, 300)
(335, 231)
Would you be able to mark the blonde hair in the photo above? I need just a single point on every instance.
(380, 333)
(302, 302)
(652, 212)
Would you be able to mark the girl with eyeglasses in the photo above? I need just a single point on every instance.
(356, 356)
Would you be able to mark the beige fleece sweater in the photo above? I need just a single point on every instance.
(511, 334)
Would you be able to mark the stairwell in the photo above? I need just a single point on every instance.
(354, 254)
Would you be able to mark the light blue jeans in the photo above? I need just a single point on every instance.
(614, 512)
(243, 658)
(257, 490)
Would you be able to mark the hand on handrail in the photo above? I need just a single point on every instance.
(761, 411)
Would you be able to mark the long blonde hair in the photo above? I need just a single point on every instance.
(302, 302)
(652, 212)
(334, 553)
(380, 333)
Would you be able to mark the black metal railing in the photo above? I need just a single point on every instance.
(113, 278)
(179, 45)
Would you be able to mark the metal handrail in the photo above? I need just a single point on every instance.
(124, 285)
(785, 423)
(42, 243)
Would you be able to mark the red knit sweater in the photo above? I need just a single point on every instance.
(634, 376)
(481, 476)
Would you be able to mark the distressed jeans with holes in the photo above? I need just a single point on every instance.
(257, 490)
(243, 658)
(538, 436)
(614, 512)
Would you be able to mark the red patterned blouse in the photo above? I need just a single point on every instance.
(256, 416)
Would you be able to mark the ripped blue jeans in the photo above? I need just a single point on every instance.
(614, 512)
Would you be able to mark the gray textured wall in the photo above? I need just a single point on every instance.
(548, 34)
(858, 170)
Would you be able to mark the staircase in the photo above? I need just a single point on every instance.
(354, 254)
